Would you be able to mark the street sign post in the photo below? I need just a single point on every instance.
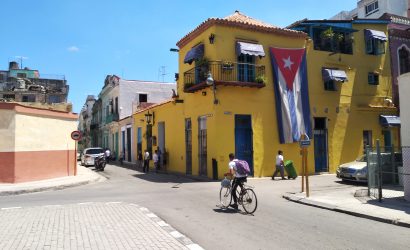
(76, 136)
(304, 144)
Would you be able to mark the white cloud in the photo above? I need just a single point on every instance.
(73, 49)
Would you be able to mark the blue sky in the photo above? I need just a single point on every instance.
(85, 40)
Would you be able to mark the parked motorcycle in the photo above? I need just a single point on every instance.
(99, 163)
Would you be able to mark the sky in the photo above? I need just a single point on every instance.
(86, 40)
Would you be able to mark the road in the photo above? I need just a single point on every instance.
(190, 207)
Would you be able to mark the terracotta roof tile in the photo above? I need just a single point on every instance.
(239, 20)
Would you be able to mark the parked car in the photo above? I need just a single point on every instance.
(358, 170)
(89, 154)
(355, 170)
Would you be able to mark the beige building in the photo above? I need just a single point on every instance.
(35, 143)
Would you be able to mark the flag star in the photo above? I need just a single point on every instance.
(288, 63)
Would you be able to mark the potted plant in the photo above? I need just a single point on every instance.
(260, 79)
(202, 66)
(227, 65)
(327, 36)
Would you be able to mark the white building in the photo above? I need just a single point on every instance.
(120, 98)
(373, 9)
(404, 92)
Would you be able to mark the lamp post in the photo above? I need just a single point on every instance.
(210, 82)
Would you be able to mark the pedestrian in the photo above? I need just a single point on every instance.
(146, 162)
(139, 159)
(279, 166)
(107, 155)
(155, 158)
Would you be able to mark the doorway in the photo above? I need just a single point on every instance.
(188, 146)
(161, 143)
(321, 146)
(244, 140)
(202, 146)
(129, 158)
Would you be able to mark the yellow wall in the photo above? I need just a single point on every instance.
(345, 127)
(347, 109)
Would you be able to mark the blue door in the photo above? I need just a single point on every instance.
(243, 139)
(320, 141)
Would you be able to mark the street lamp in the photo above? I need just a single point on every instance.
(150, 117)
(210, 82)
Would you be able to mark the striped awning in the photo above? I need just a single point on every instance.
(195, 53)
(334, 74)
(390, 121)
(252, 49)
(376, 34)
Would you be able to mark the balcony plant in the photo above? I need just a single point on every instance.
(202, 65)
(261, 79)
(227, 65)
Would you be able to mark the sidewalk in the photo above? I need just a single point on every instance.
(353, 200)
(84, 176)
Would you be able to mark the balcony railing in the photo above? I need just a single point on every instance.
(225, 73)
(111, 118)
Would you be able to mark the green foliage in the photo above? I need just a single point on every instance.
(261, 79)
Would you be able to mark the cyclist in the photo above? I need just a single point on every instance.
(238, 179)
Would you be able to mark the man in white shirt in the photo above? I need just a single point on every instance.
(155, 158)
(146, 162)
(238, 179)
(279, 166)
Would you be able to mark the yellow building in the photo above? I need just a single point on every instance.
(227, 102)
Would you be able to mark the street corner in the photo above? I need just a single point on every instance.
(302, 199)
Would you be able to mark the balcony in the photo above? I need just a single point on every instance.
(111, 118)
(225, 73)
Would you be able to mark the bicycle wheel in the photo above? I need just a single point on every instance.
(225, 196)
(249, 201)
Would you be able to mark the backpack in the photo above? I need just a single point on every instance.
(242, 167)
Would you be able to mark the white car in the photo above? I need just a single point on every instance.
(355, 170)
(89, 154)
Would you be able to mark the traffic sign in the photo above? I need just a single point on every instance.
(304, 143)
(76, 135)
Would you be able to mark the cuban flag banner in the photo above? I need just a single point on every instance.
(291, 93)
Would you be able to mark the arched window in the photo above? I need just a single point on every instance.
(404, 60)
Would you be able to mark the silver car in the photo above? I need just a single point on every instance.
(355, 170)
(89, 154)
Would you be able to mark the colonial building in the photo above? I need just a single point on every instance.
(252, 88)
(84, 122)
(118, 99)
(29, 86)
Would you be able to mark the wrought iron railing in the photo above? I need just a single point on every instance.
(111, 117)
(225, 72)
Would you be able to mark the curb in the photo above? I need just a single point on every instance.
(27, 190)
(304, 201)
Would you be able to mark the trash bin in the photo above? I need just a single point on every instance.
(214, 169)
(290, 169)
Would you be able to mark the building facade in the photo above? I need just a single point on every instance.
(118, 99)
(84, 122)
(231, 96)
(374, 9)
(26, 85)
(35, 143)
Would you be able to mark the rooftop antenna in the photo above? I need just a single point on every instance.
(162, 72)
(21, 60)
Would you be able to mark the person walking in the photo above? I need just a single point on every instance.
(146, 162)
(279, 166)
(155, 158)
(139, 159)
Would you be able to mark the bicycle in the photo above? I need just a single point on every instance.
(246, 196)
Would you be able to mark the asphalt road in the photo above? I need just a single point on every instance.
(191, 208)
